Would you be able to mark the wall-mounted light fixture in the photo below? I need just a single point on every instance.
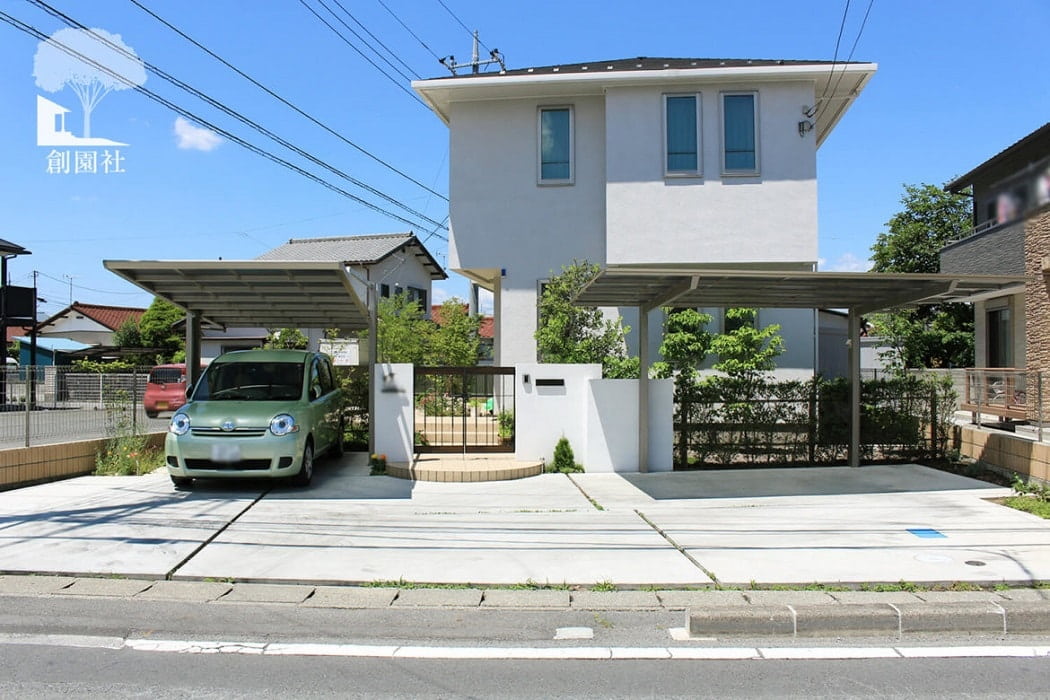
(804, 126)
(525, 378)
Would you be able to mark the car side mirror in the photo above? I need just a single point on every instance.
(189, 390)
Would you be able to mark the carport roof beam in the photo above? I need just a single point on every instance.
(697, 286)
(268, 293)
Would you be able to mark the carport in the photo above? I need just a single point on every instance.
(251, 293)
(649, 287)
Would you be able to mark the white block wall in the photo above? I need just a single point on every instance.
(394, 422)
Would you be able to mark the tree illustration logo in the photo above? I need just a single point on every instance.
(92, 63)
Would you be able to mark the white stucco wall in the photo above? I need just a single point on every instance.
(598, 416)
(394, 426)
(543, 415)
(612, 425)
(770, 217)
(504, 221)
(620, 207)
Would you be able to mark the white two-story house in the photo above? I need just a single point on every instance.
(645, 160)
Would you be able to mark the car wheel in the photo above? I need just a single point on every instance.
(306, 469)
(152, 414)
(182, 482)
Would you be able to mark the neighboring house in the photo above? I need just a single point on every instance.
(215, 340)
(396, 262)
(90, 324)
(1011, 236)
(49, 351)
(646, 161)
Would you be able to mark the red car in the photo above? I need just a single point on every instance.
(165, 389)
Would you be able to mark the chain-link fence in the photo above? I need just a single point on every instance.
(44, 405)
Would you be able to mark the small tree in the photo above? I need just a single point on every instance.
(454, 339)
(403, 333)
(580, 335)
(564, 459)
(685, 345)
(746, 353)
(286, 339)
(156, 328)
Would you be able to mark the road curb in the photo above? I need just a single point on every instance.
(871, 619)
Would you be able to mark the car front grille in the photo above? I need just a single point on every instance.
(236, 432)
(241, 465)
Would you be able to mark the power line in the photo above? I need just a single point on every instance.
(38, 34)
(834, 58)
(233, 113)
(284, 101)
(80, 286)
(360, 52)
(853, 48)
(377, 40)
(409, 30)
(467, 29)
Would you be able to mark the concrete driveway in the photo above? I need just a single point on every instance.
(829, 525)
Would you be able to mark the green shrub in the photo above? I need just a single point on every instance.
(128, 455)
(564, 460)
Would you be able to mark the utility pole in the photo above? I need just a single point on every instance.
(475, 63)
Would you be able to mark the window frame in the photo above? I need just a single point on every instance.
(555, 182)
(736, 172)
(699, 171)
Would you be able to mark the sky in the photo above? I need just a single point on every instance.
(957, 82)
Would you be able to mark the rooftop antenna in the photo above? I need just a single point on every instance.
(475, 64)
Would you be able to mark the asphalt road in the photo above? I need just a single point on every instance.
(41, 668)
(49, 672)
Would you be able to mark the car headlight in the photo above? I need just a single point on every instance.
(283, 424)
(180, 424)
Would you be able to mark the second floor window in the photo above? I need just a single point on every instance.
(555, 132)
(739, 135)
(682, 127)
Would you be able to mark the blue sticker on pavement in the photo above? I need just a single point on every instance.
(925, 532)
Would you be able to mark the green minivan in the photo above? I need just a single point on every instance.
(257, 414)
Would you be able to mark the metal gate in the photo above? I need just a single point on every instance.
(464, 409)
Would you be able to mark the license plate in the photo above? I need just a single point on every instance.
(162, 405)
(225, 453)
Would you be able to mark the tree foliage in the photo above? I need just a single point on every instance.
(931, 336)
(128, 335)
(454, 340)
(286, 339)
(747, 351)
(156, 328)
(402, 331)
(580, 335)
(686, 343)
(54, 68)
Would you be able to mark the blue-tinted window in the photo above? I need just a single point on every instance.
(556, 144)
(682, 134)
(738, 117)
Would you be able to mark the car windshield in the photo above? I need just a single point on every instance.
(166, 375)
(251, 381)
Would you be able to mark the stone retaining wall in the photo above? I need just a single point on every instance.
(1004, 452)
